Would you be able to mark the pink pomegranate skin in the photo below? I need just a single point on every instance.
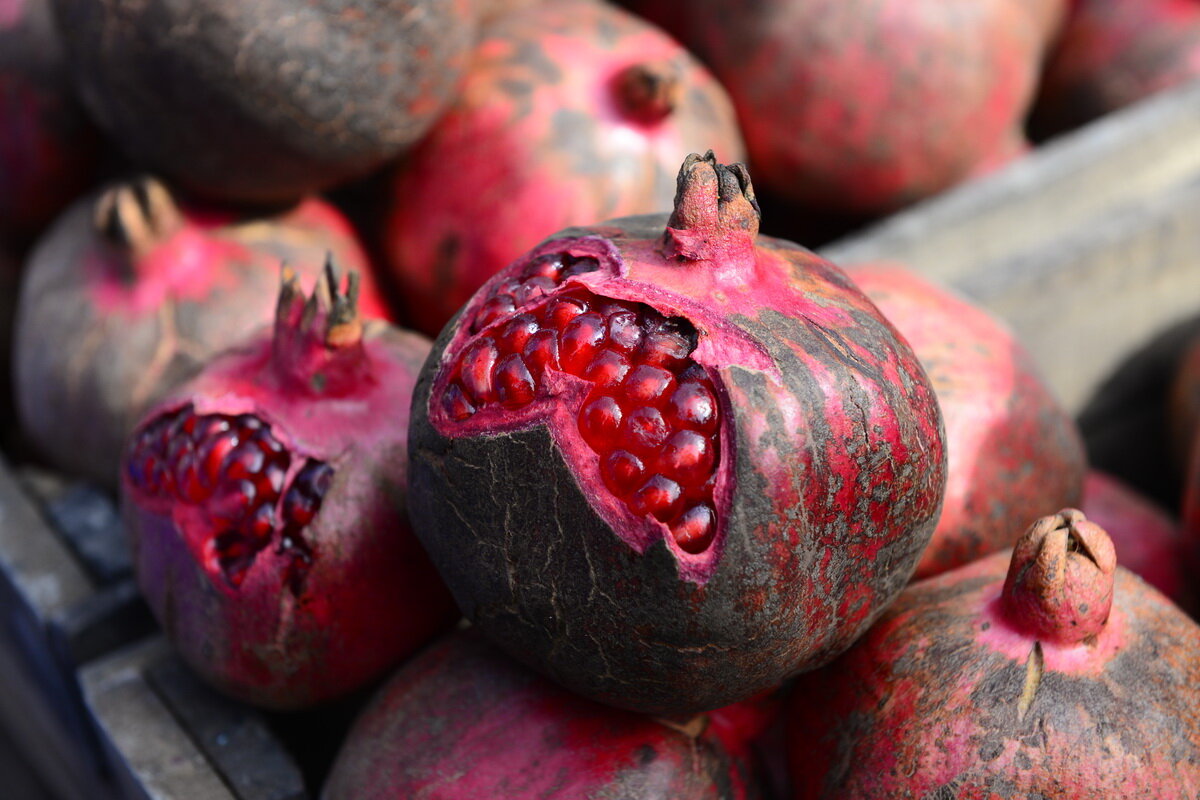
(1148, 540)
(464, 721)
(1064, 678)
(864, 106)
(1113, 53)
(47, 146)
(130, 292)
(1012, 450)
(690, 534)
(278, 594)
(571, 112)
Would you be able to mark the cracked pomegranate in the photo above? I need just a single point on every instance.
(130, 293)
(1044, 672)
(264, 538)
(612, 444)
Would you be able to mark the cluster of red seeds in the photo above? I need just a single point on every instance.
(235, 469)
(651, 414)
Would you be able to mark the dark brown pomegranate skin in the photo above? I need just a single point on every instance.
(1012, 449)
(826, 480)
(261, 102)
(462, 720)
(1067, 678)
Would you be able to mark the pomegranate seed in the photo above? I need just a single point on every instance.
(213, 453)
(645, 384)
(579, 342)
(659, 497)
(246, 461)
(668, 344)
(624, 330)
(622, 472)
(476, 374)
(561, 310)
(516, 333)
(548, 266)
(533, 288)
(600, 421)
(232, 501)
(578, 266)
(494, 309)
(541, 352)
(607, 368)
(456, 404)
(695, 528)
(692, 405)
(514, 384)
(644, 430)
(687, 456)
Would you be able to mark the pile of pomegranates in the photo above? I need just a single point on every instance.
(715, 517)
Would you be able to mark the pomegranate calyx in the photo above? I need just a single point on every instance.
(1060, 580)
(136, 217)
(648, 92)
(716, 215)
(318, 342)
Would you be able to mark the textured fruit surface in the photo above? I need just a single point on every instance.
(1012, 449)
(571, 112)
(262, 102)
(269, 537)
(127, 296)
(671, 463)
(462, 720)
(980, 684)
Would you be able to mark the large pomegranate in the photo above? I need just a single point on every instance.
(671, 463)
(463, 721)
(130, 292)
(1044, 672)
(269, 537)
(1012, 449)
(571, 112)
(264, 101)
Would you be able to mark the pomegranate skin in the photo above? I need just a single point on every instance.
(1012, 450)
(957, 693)
(811, 384)
(129, 293)
(571, 112)
(314, 611)
(462, 720)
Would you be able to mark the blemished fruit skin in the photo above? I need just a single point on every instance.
(130, 292)
(570, 112)
(263, 102)
(579, 533)
(462, 720)
(263, 504)
(1044, 672)
(1012, 449)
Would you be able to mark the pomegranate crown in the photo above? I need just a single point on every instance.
(648, 92)
(137, 215)
(1060, 580)
(716, 215)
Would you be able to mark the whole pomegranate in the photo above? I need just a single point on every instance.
(463, 721)
(268, 536)
(1065, 678)
(1012, 449)
(264, 101)
(47, 146)
(671, 463)
(571, 112)
(130, 292)
(866, 105)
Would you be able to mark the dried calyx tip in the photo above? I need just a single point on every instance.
(716, 212)
(136, 215)
(648, 92)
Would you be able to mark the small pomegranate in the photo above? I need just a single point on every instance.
(1067, 678)
(262, 102)
(1012, 450)
(267, 536)
(671, 468)
(48, 147)
(572, 111)
(463, 721)
(129, 293)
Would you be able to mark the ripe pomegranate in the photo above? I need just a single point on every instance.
(571, 112)
(261, 102)
(1012, 450)
(268, 536)
(671, 468)
(865, 105)
(464, 721)
(130, 292)
(47, 146)
(1067, 678)
(1113, 53)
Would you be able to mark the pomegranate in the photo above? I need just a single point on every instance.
(865, 105)
(671, 468)
(261, 102)
(1113, 53)
(1012, 450)
(1183, 404)
(571, 112)
(129, 293)
(463, 721)
(268, 537)
(1067, 678)
(48, 148)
